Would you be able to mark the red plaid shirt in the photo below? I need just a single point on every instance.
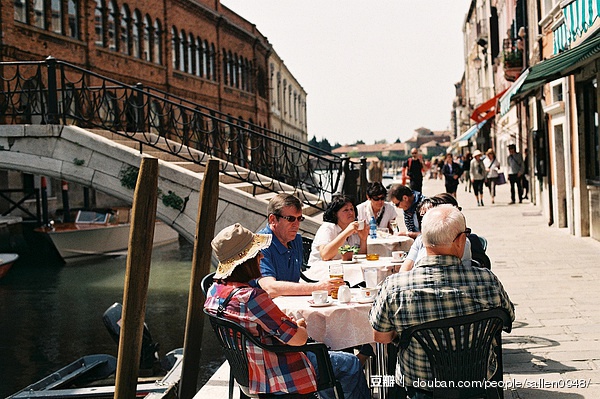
(254, 310)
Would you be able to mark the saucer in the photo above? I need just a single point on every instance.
(346, 262)
(319, 305)
(398, 261)
(360, 256)
(365, 300)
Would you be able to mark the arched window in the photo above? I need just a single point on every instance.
(206, 59)
(191, 61)
(199, 58)
(124, 39)
(231, 68)
(250, 77)
(20, 10)
(136, 34)
(147, 40)
(225, 68)
(175, 47)
(157, 43)
(182, 51)
(234, 71)
(56, 16)
(213, 62)
(113, 17)
(99, 22)
(39, 12)
(73, 19)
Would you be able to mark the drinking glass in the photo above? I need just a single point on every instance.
(336, 271)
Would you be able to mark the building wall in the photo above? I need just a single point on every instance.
(235, 45)
(287, 101)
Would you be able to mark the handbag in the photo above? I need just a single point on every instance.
(501, 179)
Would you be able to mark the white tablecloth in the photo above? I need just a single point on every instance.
(338, 325)
(353, 272)
(385, 246)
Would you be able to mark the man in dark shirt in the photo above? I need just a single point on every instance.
(413, 168)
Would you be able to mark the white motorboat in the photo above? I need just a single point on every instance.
(96, 234)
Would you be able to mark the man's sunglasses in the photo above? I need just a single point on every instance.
(290, 219)
(467, 232)
(380, 198)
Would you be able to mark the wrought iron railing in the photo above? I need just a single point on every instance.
(56, 92)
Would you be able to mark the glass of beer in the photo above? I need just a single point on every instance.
(336, 271)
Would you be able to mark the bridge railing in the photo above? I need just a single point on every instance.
(56, 92)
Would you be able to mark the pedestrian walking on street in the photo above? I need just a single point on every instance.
(466, 166)
(452, 172)
(516, 169)
(413, 168)
(492, 169)
(477, 172)
(525, 182)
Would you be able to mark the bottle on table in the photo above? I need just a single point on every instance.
(373, 227)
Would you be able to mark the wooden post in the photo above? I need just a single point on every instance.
(205, 231)
(137, 276)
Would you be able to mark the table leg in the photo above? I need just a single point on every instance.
(381, 369)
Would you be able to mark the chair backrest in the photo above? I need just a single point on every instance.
(306, 248)
(478, 251)
(234, 338)
(207, 282)
(458, 348)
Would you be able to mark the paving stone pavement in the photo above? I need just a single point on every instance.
(553, 280)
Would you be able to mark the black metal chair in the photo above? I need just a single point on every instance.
(458, 349)
(207, 282)
(306, 248)
(234, 339)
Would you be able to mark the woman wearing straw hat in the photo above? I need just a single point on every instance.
(477, 172)
(238, 252)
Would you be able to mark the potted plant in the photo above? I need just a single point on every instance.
(347, 251)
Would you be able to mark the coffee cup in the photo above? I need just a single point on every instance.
(368, 293)
(398, 255)
(361, 224)
(319, 297)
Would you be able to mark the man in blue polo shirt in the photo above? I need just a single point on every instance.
(282, 262)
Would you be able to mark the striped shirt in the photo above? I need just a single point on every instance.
(438, 287)
(254, 310)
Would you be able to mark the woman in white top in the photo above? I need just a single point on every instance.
(339, 228)
(375, 206)
(492, 168)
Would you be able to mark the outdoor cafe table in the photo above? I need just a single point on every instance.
(353, 272)
(385, 246)
(339, 325)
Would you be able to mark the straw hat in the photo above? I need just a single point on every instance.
(477, 153)
(234, 245)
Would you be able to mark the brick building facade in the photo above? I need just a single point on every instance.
(199, 50)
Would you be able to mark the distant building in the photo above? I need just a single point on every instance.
(374, 151)
(423, 135)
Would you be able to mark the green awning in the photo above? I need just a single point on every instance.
(560, 65)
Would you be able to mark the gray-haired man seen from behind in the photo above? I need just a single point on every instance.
(438, 287)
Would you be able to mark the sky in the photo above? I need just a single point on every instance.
(372, 70)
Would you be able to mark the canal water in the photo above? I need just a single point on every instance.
(51, 314)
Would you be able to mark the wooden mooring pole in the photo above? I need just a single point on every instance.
(137, 276)
(205, 231)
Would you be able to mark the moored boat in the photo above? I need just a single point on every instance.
(96, 234)
(93, 376)
(6, 262)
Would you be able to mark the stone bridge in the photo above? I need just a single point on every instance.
(51, 150)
